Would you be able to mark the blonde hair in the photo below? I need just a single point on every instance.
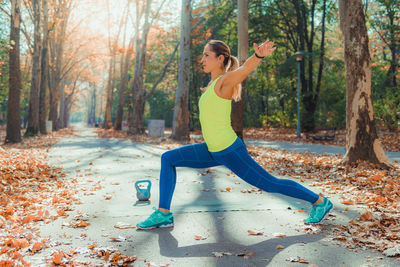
(231, 63)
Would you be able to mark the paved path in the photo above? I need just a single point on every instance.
(200, 208)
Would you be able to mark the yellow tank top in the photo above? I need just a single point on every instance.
(215, 120)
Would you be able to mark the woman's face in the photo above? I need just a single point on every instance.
(210, 61)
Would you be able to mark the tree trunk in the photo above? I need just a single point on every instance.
(92, 106)
(362, 141)
(56, 52)
(33, 117)
(44, 71)
(243, 49)
(180, 123)
(59, 121)
(136, 122)
(125, 60)
(13, 134)
(107, 114)
(124, 67)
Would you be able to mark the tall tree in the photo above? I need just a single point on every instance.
(61, 14)
(13, 134)
(243, 49)
(362, 141)
(33, 116)
(44, 63)
(112, 46)
(137, 101)
(92, 104)
(180, 123)
(136, 105)
(124, 67)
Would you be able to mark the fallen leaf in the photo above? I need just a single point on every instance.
(254, 233)
(279, 235)
(348, 202)
(199, 237)
(279, 247)
(57, 257)
(297, 259)
(367, 216)
(118, 239)
(37, 246)
(123, 225)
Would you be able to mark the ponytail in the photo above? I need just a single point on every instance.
(231, 63)
(237, 90)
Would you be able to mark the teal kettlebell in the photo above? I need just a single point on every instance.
(143, 194)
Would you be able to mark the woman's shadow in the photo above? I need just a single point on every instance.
(260, 253)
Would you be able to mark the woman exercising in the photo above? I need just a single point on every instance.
(222, 146)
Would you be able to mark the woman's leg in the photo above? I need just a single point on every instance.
(237, 159)
(193, 156)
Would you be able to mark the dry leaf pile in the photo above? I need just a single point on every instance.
(29, 194)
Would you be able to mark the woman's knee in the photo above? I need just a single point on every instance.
(168, 156)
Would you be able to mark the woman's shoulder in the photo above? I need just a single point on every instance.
(221, 89)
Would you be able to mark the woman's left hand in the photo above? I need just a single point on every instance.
(264, 49)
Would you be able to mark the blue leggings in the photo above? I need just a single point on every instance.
(236, 158)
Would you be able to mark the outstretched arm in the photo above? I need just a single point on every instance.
(237, 76)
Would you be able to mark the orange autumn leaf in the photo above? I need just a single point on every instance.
(17, 243)
(37, 246)
(27, 219)
(82, 224)
(279, 247)
(228, 189)
(60, 212)
(348, 202)
(378, 176)
(57, 257)
(9, 210)
(367, 216)
(254, 233)
(199, 237)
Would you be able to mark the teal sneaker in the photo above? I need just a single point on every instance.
(157, 219)
(319, 212)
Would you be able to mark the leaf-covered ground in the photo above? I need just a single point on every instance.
(32, 192)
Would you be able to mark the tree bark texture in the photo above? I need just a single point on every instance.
(125, 64)
(33, 115)
(56, 52)
(180, 123)
(13, 132)
(243, 49)
(44, 58)
(92, 105)
(362, 141)
(136, 120)
(107, 114)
